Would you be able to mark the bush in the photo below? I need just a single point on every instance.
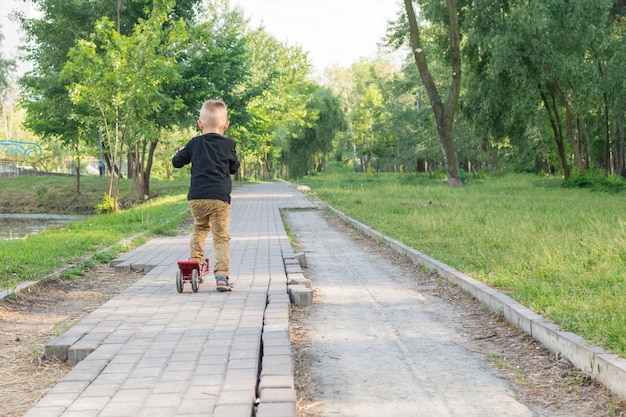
(596, 180)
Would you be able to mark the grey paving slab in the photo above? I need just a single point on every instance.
(151, 351)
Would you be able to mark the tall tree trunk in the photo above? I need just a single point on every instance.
(119, 8)
(147, 171)
(557, 92)
(607, 138)
(575, 142)
(555, 122)
(77, 172)
(620, 155)
(7, 123)
(444, 113)
(130, 164)
(607, 126)
(584, 142)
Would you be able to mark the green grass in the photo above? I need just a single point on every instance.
(57, 194)
(560, 251)
(43, 253)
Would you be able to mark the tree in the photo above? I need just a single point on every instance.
(443, 112)
(51, 113)
(121, 77)
(378, 100)
(214, 63)
(7, 66)
(614, 87)
(365, 116)
(311, 147)
(527, 55)
(279, 90)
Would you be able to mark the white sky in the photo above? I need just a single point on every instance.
(332, 31)
(10, 30)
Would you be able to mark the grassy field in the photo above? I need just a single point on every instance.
(57, 194)
(42, 254)
(560, 251)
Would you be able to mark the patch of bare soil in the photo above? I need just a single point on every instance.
(34, 317)
(305, 385)
(540, 378)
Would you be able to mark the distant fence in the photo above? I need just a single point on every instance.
(18, 147)
(10, 150)
(7, 170)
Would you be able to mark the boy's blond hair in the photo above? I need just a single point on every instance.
(214, 114)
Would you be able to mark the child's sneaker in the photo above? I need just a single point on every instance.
(222, 284)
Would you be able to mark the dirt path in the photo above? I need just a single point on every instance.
(383, 338)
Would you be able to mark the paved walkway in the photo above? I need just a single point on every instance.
(153, 352)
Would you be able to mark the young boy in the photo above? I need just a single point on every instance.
(213, 159)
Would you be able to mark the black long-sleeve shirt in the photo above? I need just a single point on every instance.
(213, 159)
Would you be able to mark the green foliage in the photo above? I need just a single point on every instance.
(60, 25)
(42, 192)
(531, 76)
(21, 194)
(121, 79)
(128, 78)
(595, 180)
(109, 205)
(6, 67)
(280, 90)
(385, 132)
(559, 251)
(312, 146)
(151, 75)
(213, 62)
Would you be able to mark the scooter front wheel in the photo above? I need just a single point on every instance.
(194, 280)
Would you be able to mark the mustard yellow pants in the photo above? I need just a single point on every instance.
(211, 216)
